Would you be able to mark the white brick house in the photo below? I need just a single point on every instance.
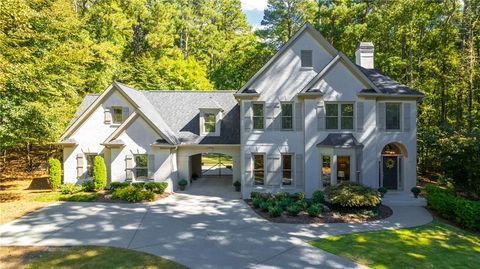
(307, 119)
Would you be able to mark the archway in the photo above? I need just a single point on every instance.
(391, 170)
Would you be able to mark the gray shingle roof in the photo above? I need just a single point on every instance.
(87, 101)
(386, 84)
(340, 140)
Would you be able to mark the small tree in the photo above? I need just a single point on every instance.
(99, 173)
(55, 173)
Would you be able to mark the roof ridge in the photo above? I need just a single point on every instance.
(190, 91)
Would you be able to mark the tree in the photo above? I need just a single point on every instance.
(99, 173)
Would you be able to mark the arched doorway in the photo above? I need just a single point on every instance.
(392, 166)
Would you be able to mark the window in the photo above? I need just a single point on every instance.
(287, 169)
(334, 121)
(90, 159)
(287, 116)
(257, 116)
(117, 115)
(306, 58)
(141, 166)
(326, 171)
(209, 122)
(343, 168)
(392, 116)
(259, 169)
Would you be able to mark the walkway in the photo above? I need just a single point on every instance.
(198, 230)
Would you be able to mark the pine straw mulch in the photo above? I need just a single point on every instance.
(333, 216)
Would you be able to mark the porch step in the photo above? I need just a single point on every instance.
(403, 199)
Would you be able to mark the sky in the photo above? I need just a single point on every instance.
(254, 11)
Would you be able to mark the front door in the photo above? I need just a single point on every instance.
(390, 172)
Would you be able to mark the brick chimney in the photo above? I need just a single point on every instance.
(364, 55)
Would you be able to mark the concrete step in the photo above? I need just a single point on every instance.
(403, 199)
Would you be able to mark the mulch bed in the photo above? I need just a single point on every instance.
(326, 217)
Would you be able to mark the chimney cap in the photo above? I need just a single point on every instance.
(365, 45)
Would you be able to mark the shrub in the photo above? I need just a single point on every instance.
(255, 194)
(314, 210)
(274, 211)
(117, 185)
(264, 205)
(303, 204)
(293, 210)
(284, 203)
(318, 197)
(298, 196)
(87, 186)
(256, 202)
(416, 191)
(382, 191)
(140, 185)
(281, 195)
(133, 194)
(182, 183)
(99, 173)
(349, 194)
(458, 209)
(70, 188)
(156, 187)
(55, 173)
(237, 185)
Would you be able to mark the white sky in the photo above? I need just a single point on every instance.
(259, 5)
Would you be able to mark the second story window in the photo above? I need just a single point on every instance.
(117, 115)
(210, 122)
(306, 58)
(287, 116)
(339, 116)
(258, 118)
(392, 117)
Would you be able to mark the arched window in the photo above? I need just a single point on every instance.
(391, 149)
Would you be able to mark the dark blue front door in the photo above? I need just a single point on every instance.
(390, 172)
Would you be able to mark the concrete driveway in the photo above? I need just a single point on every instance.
(201, 228)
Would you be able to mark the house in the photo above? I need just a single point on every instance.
(309, 118)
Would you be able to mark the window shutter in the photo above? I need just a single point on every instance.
(273, 177)
(299, 170)
(360, 115)
(128, 167)
(248, 170)
(406, 117)
(381, 116)
(298, 116)
(79, 165)
(321, 116)
(151, 165)
(125, 113)
(269, 113)
(247, 122)
(108, 115)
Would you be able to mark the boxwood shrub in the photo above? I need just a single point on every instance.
(156, 187)
(318, 197)
(117, 185)
(70, 188)
(314, 210)
(133, 194)
(294, 209)
(274, 211)
(350, 194)
(458, 209)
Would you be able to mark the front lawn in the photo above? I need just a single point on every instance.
(76, 197)
(434, 245)
(99, 257)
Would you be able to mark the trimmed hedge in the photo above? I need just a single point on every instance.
(458, 209)
(99, 173)
(133, 194)
(70, 188)
(350, 194)
(318, 197)
(156, 187)
(118, 185)
(55, 173)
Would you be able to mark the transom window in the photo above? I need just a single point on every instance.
(141, 166)
(287, 169)
(117, 115)
(392, 116)
(287, 116)
(258, 116)
(339, 115)
(306, 58)
(259, 169)
(210, 122)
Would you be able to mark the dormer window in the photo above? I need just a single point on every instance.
(117, 115)
(306, 58)
(210, 120)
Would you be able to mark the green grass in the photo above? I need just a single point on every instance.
(100, 257)
(212, 159)
(57, 196)
(434, 245)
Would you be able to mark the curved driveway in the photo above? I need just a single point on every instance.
(198, 229)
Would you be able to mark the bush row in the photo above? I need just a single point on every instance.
(291, 204)
(350, 194)
(450, 206)
(133, 194)
(156, 187)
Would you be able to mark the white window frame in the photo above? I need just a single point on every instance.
(114, 122)
(339, 115)
(282, 116)
(218, 121)
(400, 117)
(142, 167)
(264, 156)
(263, 116)
(292, 169)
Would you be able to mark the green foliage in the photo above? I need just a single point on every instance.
(256, 202)
(183, 183)
(55, 169)
(318, 196)
(70, 188)
(284, 203)
(139, 185)
(314, 210)
(99, 173)
(349, 194)
(294, 209)
(298, 196)
(281, 195)
(255, 194)
(117, 185)
(415, 190)
(88, 186)
(382, 191)
(274, 211)
(264, 205)
(133, 194)
(157, 187)
(461, 210)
